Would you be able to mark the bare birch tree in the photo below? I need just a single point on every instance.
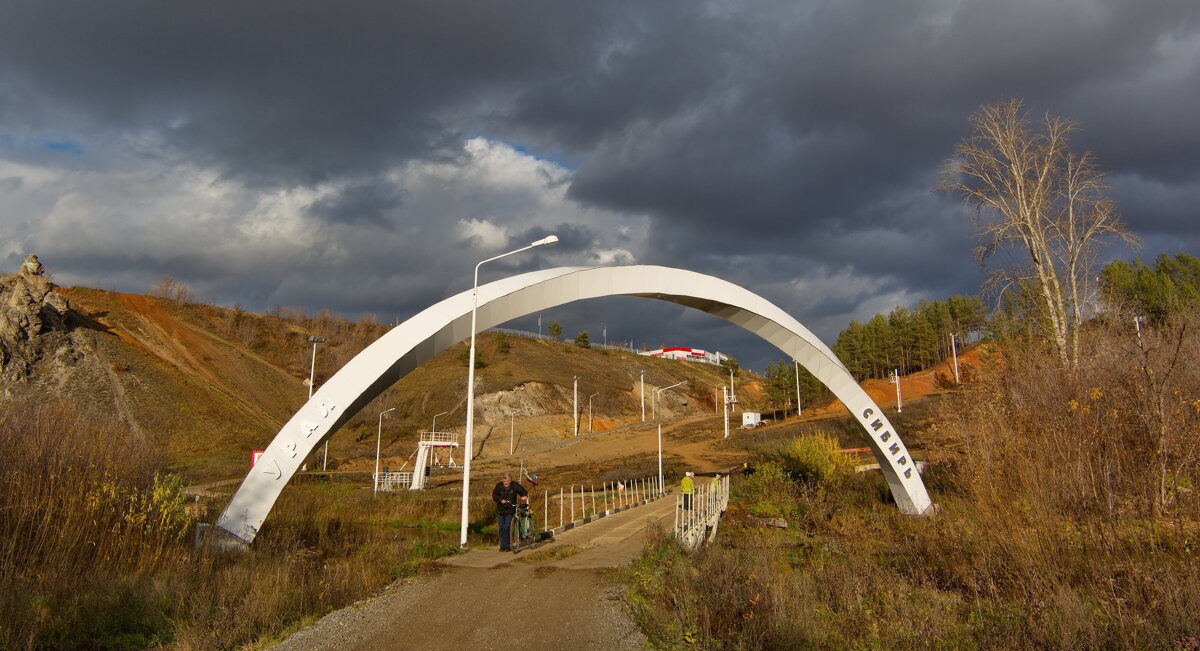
(1030, 191)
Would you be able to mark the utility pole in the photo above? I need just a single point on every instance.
(725, 402)
(575, 407)
(896, 379)
(512, 428)
(643, 396)
(799, 406)
(954, 354)
(590, 410)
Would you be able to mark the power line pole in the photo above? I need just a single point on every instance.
(799, 407)
(896, 379)
(590, 411)
(725, 402)
(954, 354)
(643, 396)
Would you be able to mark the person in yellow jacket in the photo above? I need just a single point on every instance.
(687, 487)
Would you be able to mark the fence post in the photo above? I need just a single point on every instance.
(594, 512)
(606, 497)
(546, 508)
(560, 507)
(572, 502)
(675, 529)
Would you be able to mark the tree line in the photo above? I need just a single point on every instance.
(909, 340)
(912, 340)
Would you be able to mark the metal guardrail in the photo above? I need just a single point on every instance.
(390, 482)
(696, 519)
(443, 438)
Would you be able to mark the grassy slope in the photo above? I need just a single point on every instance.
(210, 383)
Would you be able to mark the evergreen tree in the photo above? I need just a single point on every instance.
(1158, 293)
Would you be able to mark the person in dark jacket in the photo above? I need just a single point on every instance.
(506, 494)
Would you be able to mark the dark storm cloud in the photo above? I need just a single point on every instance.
(787, 146)
(282, 92)
(362, 202)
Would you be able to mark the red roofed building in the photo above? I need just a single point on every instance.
(688, 354)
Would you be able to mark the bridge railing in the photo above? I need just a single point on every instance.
(696, 518)
(582, 503)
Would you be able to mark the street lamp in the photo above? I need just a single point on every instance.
(590, 411)
(312, 370)
(379, 437)
(658, 414)
(434, 427)
(466, 488)
(575, 407)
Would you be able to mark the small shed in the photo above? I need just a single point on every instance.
(751, 419)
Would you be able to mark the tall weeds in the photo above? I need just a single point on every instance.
(96, 546)
(1069, 519)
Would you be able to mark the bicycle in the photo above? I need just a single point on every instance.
(523, 525)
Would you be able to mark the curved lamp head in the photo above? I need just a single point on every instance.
(549, 240)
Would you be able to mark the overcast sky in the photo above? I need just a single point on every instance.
(361, 156)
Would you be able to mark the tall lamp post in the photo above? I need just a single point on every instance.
(466, 487)
(575, 407)
(434, 427)
(658, 415)
(312, 371)
(378, 438)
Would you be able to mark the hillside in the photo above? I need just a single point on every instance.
(207, 384)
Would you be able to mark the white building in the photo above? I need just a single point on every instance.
(687, 354)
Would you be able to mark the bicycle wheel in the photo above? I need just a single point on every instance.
(524, 527)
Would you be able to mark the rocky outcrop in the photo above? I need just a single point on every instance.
(34, 326)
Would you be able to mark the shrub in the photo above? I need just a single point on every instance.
(816, 459)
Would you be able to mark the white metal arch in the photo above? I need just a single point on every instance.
(424, 335)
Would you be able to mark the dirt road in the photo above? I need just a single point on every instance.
(558, 596)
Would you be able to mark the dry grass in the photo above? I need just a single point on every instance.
(1068, 520)
(97, 546)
